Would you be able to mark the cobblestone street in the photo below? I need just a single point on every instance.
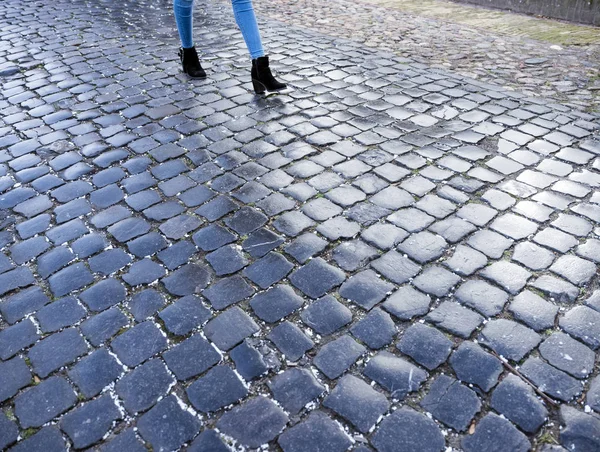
(390, 257)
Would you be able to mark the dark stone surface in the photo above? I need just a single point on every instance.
(139, 343)
(335, 357)
(43, 402)
(425, 345)
(452, 403)
(517, 401)
(552, 381)
(255, 422)
(218, 388)
(290, 340)
(326, 315)
(167, 426)
(493, 430)
(395, 374)
(152, 228)
(230, 328)
(581, 432)
(144, 386)
(509, 339)
(318, 433)
(409, 430)
(473, 365)
(87, 424)
(295, 388)
(355, 400)
(191, 357)
(94, 372)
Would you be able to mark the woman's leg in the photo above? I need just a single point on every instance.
(246, 20)
(184, 10)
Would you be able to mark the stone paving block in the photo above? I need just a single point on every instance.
(43, 402)
(125, 440)
(103, 295)
(557, 289)
(514, 226)
(167, 426)
(582, 323)
(179, 358)
(533, 310)
(509, 276)
(48, 438)
(455, 318)
(268, 270)
(451, 403)
(230, 328)
(17, 306)
(184, 315)
(59, 314)
(218, 388)
(408, 429)
(550, 380)
(473, 365)
(493, 430)
(482, 297)
(109, 261)
(103, 326)
(465, 261)
(580, 431)
(317, 433)
(410, 219)
(249, 362)
(517, 401)
(295, 388)
(365, 289)
(532, 256)
(395, 374)
(87, 424)
(335, 357)
(357, 402)
(268, 421)
(9, 432)
(326, 315)
(94, 372)
(14, 375)
(576, 270)
(139, 343)
(57, 350)
(71, 278)
(145, 271)
(426, 345)
(423, 246)
(490, 243)
(353, 255)
(436, 280)
(276, 303)
(509, 339)
(567, 354)
(316, 278)
(14, 279)
(290, 340)
(376, 330)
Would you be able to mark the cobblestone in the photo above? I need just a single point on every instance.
(162, 239)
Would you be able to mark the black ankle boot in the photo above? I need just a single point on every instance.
(190, 63)
(262, 79)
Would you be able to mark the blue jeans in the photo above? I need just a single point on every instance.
(244, 16)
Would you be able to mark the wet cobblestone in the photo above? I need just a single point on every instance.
(390, 255)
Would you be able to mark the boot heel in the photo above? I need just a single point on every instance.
(259, 88)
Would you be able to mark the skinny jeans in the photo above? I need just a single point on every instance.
(244, 17)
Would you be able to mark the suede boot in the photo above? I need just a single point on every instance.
(262, 79)
(190, 63)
